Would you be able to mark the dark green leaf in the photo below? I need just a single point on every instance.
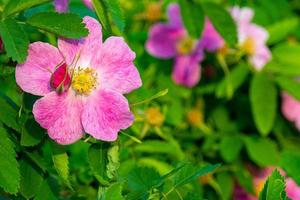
(263, 100)
(15, 39)
(15, 6)
(9, 167)
(67, 25)
(193, 17)
(101, 11)
(222, 22)
(290, 162)
(32, 133)
(31, 179)
(289, 85)
(8, 115)
(116, 13)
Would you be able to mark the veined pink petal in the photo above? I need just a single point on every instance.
(115, 65)
(84, 47)
(88, 3)
(187, 71)
(105, 114)
(61, 5)
(33, 76)
(61, 116)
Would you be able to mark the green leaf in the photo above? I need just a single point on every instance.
(226, 182)
(287, 54)
(189, 173)
(281, 29)
(274, 187)
(15, 39)
(113, 161)
(9, 167)
(193, 17)
(61, 162)
(113, 192)
(32, 133)
(236, 78)
(222, 22)
(45, 192)
(101, 11)
(116, 13)
(8, 115)
(230, 147)
(98, 161)
(281, 68)
(263, 100)
(292, 87)
(67, 25)
(9, 87)
(262, 151)
(31, 180)
(290, 163)
(15, 6)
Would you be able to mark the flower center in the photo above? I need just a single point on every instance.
(248, 46)
(154, 116)
(153, 12)
(84, 80)
(185, 45)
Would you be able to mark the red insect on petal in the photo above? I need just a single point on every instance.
(60, 79)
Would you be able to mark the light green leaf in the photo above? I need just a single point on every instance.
(262, 151)
(193, 17)
(113, 161)
(15, 6)
(113, 192)
(222, 22)
(281, 29)
(101, 11)
(289, 85)
(230, 147)
(31, 180)
(263, 100)
(61, 162)
(274, 187)
(15, 39)
(9, 167)
(67, 25)
(287, 54)
(290, 163)
(281, 68)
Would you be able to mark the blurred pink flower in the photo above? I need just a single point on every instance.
(171, 40)
(63, 5)
(292, 189)
(251, 37)
(291, 109)
(94, 76)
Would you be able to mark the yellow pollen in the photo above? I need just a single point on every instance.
(154, 116)
(185, 45)
(84, 80)
(195, 117)
(248, 46)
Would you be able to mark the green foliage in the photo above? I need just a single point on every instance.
(263, 96)
(66, 25)
(262, 151)
(289, 85)
(274, 187)
(113, 192)
(290, 162)
(222, 22)
(15, 6)
(9, 167)
(116, 13)
(15, 39)
(230, 147)
(193, 17)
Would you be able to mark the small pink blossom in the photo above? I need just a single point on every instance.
(171, 40)
(93, 75)
(252, 38)
(63, 5)
(290, 108)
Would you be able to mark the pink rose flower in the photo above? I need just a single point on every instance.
(251, 37)
(171, 40)
(82, 83)
(290, 108)
(63, 5)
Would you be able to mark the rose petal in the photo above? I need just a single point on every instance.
(105, 114)
(61, 116)
(33, 76)
(115, 65)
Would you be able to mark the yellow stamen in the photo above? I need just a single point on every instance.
(154, 116)
(153, 12)
(205, 179)
(84, 80)
(248, 46)
(185, 45)
(195, 117)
